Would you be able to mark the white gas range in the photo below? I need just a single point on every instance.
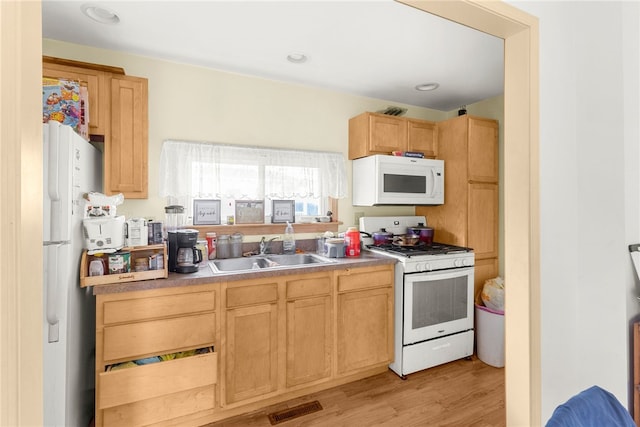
(433, 295)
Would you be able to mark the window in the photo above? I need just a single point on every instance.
(191, 170)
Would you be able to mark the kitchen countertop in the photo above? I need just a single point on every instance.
(206, 275)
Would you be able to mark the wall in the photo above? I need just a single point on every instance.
(200, 104)
(589, 193)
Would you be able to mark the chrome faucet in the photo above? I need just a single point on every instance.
(265, 245)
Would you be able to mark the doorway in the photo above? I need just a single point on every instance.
(522, 265)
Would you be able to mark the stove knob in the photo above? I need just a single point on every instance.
(458, 263)
(427, 267)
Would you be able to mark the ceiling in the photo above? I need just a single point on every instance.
(373, 48)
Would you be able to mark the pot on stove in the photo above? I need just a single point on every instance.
(382, 237)
(425, 233)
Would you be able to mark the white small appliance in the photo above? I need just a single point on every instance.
(104, 234)
(433, 297)
(72, 167)
(396, 180)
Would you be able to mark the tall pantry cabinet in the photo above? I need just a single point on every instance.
(469, 216)
(118, 117)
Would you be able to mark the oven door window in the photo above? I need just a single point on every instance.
(437, 304)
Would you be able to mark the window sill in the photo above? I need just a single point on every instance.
(264, 229)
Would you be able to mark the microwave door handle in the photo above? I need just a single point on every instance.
(434, 176)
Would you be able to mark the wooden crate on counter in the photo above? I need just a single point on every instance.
(132, 276)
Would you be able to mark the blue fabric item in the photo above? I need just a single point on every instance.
(593, 407)
(148, 360)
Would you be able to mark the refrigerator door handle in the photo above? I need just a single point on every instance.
(53, 179)
(52, 294)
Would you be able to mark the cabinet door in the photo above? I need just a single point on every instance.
(483, 150)
(422, 136)
(387, 134)
(126, 150)
(309, 340)
(251, 351)
(96, 86)
(365, 329)
(482, 220)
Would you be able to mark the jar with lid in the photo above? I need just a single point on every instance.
(236, 245)
(174, 218)
(352, 242)
(211, 245)
(223, 247)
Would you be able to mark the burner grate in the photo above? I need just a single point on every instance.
(421, 249)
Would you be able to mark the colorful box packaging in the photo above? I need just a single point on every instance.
(66, 101)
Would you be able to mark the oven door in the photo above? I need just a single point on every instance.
(437, 303)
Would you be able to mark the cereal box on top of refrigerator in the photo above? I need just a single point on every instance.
(66, 102)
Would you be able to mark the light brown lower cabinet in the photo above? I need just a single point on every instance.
(273, 339)
(309, 329)
(365, 319)
(252, 351)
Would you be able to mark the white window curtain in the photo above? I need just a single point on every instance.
(207, 170)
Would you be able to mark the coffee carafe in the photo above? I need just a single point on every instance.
(184, 256)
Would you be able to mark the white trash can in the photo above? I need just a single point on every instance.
(490, 335)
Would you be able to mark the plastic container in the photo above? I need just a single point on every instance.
(352, 242)
(289, 240)
(490, 335)
(212, 239)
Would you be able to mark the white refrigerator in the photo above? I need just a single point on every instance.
(72, 167)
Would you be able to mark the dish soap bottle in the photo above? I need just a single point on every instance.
(289, 240)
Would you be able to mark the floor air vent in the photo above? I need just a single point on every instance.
(295, 412)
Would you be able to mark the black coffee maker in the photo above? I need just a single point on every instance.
(184, 257)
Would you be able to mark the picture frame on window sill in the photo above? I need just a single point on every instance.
(249, 211)
(206, 212)
(283, 211)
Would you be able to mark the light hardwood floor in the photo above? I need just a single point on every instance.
(461, 393)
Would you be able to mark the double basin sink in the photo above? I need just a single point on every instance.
(269, 261)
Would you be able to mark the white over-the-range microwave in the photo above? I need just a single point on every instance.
(395, 180)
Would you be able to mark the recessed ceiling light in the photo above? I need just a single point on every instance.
(427, 87)
(100, 14)
(297, 58)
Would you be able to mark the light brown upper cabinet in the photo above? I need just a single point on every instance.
(118, 117)
(469, 217)
(374, 133)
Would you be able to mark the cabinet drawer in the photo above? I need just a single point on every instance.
(308, 287)
(252, 294)
(133, 310)
(370, 278)
(131, 341)
(148, 394)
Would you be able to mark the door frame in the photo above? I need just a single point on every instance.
(519, 31)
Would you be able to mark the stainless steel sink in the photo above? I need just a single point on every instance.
(239, 264)
(271, 261)
(297, 259)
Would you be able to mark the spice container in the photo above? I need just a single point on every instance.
(97, 265)
(223, 247)
(120, 262)
(236, 245)
(141, 264)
